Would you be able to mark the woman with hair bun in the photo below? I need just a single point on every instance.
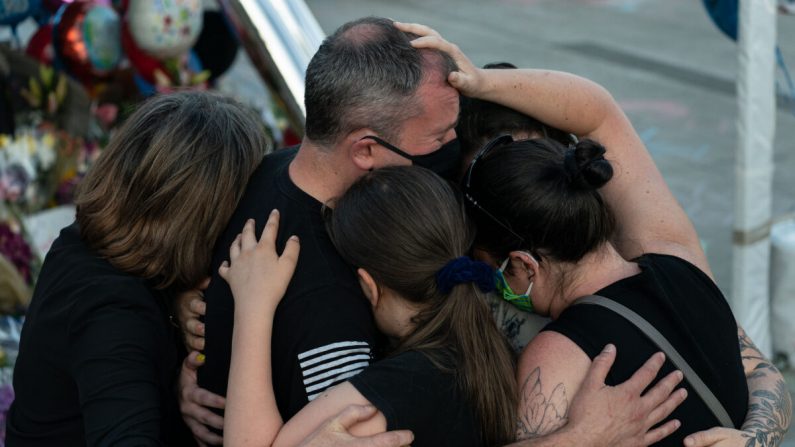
(562, 223)
(540, 215)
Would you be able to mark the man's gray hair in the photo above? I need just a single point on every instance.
(366, 74)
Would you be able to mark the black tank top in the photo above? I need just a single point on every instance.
(687, 307)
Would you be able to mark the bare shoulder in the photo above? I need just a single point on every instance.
(550, 371)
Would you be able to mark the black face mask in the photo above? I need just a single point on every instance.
(443, 161)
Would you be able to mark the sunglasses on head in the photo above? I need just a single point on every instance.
(500, 141)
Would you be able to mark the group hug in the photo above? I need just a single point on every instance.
(345, 292)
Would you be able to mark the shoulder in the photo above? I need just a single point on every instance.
(549, 374)
(117, 304)
(553, 351)
(679, 264)
(693, 257)
(404, 367)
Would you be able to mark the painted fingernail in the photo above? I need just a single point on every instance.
(200, 358)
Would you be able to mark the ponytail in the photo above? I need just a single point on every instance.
(462, 323)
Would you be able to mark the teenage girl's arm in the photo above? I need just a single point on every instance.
(258, 277)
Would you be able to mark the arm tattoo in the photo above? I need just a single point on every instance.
(769, 404)
(539, 415)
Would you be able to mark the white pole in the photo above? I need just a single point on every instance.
(754, 166)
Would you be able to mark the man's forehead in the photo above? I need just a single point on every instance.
(441, 100)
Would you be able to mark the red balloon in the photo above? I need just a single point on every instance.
(40, 45)
(86, 36)
(144, 64)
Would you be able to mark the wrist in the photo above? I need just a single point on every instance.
(571, 435)
(483, 83)
(256, 304)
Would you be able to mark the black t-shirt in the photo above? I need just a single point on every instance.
(686, 306)
(98, 359)
(323, 330)
(415, 395)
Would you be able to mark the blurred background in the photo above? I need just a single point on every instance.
(72, 70)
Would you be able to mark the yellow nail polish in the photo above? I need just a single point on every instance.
(200, 358)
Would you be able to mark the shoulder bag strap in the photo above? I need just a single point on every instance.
(657, 338)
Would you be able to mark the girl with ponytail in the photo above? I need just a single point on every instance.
(449, 377)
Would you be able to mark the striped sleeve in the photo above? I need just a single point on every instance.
(328, 365)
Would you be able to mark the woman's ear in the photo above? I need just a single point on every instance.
(522, 261)
(369, 287)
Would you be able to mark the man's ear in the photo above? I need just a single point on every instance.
(369, 287)
(361, 149)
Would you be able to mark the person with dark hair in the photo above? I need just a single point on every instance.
(558, 250)
(449, 377)
(480, 121)
(565, 222)
(98, 358)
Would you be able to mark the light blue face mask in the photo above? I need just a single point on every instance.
(524, 301)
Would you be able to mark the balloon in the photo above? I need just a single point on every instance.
(164, 28)
(144, 64)
(724, 14)
(217, 45)
(87, 39)
(148, 88)
(12, 12)
(40, 45)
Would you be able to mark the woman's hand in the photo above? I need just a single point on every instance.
(256, 273)
(469, 79)
(719, 437)
(189, 307)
